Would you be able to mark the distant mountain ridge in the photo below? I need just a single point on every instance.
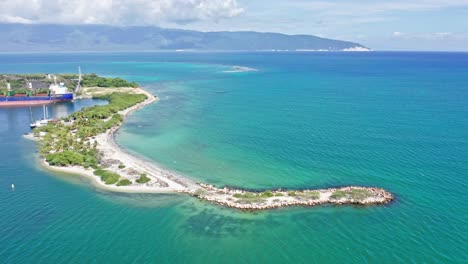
(51, 37)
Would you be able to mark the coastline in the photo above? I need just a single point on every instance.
(165, 181)
(110, 149)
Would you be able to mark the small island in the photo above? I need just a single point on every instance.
(83, 143)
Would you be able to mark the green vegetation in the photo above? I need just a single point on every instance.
(339, 195)
(92, 80)
(124, 182)
(29, 76)
(292, 193)
(121, 166)
(251, 197)
(266, 194)
(143, 178)
(72, 144)
(107, 176)
(360, 194)
(65, 158)
(357, 194)
(18, 82)
(248, 197)
(67, 76)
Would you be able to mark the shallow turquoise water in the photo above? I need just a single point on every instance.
(394, 120)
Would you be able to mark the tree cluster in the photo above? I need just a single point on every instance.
(70, 143)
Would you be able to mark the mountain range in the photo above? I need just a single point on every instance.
(52, 37)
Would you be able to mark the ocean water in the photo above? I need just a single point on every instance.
(303, 120)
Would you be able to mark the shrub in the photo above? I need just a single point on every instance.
(121, 166)
(107, 176)
(267, 194)
(65, 158)
(143, 179)
(91, 80)
(124, 182)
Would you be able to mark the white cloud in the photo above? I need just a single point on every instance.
(116, 12)
(15, 19)
(372, 7)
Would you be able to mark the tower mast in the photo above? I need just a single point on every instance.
(80, 79)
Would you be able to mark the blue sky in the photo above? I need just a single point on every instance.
(395, 25)
(379, 24)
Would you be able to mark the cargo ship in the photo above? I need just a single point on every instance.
(57, 92)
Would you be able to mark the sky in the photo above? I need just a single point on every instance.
(378, 24)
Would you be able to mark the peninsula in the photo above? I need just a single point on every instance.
(83, 143)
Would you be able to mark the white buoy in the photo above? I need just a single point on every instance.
(12, 186)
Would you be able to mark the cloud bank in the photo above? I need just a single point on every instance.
(441, 36)
(372, 7)
(116, 12)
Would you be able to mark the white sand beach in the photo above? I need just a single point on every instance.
(162, 180)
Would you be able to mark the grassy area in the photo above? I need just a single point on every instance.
(249, 197)
(360, 194)
(357, 194)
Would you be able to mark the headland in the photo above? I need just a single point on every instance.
(84, 144)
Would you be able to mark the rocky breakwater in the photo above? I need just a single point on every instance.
(245, 200)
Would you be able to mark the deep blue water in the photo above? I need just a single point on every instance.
(393, 120)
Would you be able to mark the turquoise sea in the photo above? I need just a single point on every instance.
(396, 120)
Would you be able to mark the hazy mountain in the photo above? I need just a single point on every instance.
(41, 37)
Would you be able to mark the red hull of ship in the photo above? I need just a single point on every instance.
(30, 103)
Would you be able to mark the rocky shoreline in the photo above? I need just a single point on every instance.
(350, 195)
